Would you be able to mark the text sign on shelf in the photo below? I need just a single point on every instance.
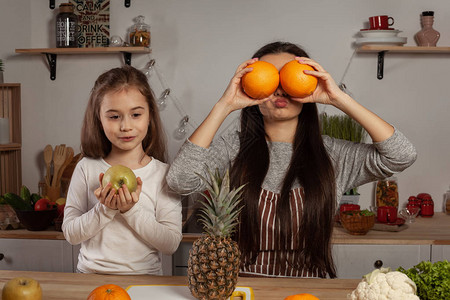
(93, 22)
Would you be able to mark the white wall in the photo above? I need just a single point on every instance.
(199, 43)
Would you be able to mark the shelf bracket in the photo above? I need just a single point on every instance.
(380, 65)
(51, 58)
(52, 4)
(127, 3)
(127, 57)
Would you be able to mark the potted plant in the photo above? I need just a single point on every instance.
(345, 128)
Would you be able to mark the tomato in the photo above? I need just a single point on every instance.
(42, 204)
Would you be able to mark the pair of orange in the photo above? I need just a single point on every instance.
(264, 79)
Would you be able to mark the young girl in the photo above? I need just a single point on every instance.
(294, 176)
(122, 232)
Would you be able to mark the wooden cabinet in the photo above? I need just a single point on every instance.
(36, 255)
(440, 253)
(11, 145)
(354, 261)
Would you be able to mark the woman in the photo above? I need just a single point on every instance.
(294, 175)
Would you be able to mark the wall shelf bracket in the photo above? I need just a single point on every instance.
(380, 65)
(51, 58)
(127, 57)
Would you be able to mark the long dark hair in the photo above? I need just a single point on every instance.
(94, 142)
(310, 165)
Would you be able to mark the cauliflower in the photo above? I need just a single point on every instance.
(382, 284)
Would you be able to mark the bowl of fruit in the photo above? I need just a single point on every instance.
(34, 212)
(357, 222)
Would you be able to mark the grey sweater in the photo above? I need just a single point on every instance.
(355, 164)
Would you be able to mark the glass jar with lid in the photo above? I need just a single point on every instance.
(386, 193)
(139, 33)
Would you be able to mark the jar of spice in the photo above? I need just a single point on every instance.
(447, 202)
(66, 26)
(139, 33)
(386, 193)
(427, 207)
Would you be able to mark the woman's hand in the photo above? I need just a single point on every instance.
(106, 195)
(327, 91)
(234, 97)
(127, 200)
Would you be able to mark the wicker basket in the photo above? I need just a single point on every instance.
(355, 223)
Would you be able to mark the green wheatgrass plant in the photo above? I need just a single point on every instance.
(345, 128)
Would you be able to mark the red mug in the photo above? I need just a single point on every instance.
(380, 22)
(387, 214)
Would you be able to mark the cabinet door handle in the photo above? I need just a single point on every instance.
(378, 264)
(2, 256)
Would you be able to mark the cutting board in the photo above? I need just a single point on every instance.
(178, 292)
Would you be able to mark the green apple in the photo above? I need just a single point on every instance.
(22, 288)
(119, 175)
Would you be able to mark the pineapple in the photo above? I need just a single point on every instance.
(214, 258)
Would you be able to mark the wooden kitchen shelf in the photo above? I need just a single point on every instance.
(10, 153)
(382, 49)
(403, 49)
(51, 53)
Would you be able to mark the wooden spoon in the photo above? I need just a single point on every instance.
(68, 160)
(59, 158)
(48, 156)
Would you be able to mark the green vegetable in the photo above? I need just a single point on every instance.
(432, 279)
(25, 193)
(34, 198)
(17, 202)
(366, 212)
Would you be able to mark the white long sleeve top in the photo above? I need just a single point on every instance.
(116, 243)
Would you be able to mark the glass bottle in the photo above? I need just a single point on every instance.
(66, 26)
(139, 33)
(447, 202)
(386, 193)
(427, 37)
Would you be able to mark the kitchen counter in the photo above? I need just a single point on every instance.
(425, 231)
(72, 286)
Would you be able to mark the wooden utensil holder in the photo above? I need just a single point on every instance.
(53, 193)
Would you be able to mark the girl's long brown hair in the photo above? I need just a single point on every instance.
(310, 165)
(94, 142)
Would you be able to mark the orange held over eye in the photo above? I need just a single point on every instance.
(303, 296)
(109, 292)
(296, 83)
(262, 81)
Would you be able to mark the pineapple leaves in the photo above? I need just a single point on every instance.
(220, 210)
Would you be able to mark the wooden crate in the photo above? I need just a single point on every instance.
(10, 153)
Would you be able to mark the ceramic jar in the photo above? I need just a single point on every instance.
(427, 37)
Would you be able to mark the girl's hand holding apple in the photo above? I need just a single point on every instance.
(126, 200)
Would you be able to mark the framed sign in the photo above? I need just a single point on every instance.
(93, 22)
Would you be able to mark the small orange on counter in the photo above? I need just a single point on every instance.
(109, 292)
(303, 296)
(296, 83)
(262, 81)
